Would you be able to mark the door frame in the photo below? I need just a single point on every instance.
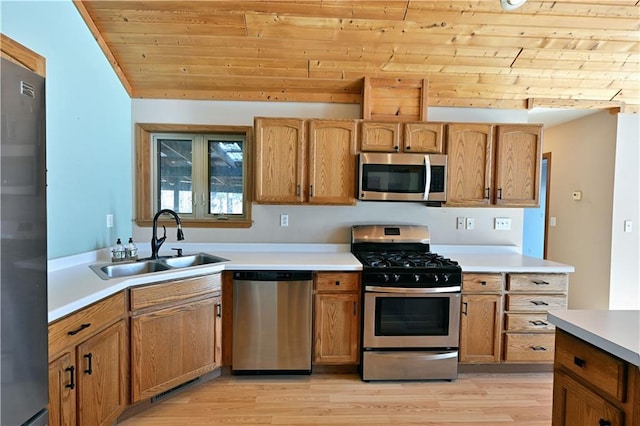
(546, 156)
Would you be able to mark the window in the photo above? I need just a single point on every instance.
(203, 175)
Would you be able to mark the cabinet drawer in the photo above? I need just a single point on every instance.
(337, 281)
(529, 347)
(173, 291)
(538, 283)
(77, 327)
(482, 283)
(535, 302)
(595, 366)
(528, 322)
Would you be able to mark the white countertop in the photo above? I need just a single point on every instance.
(616, 332)
(72, 285)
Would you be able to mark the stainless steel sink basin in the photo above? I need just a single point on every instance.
(128, 269)
(192, 260)
(147, 266)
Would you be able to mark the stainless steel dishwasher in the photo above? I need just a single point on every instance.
(272, 322)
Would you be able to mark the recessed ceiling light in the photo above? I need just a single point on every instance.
(511, 4)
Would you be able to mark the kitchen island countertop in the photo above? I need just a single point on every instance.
(616, 332)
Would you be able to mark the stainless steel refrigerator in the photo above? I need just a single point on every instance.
(23, 248)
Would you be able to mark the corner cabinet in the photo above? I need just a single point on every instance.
(494, 165)
(336, 318)
(89, 363)
(417, 137)
(593, 387)
(176, 331)
(305, 161)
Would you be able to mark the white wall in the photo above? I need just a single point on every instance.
(624, 292)
(582, 159)
(329, 224)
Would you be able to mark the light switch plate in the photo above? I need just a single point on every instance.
(470, 223)
(460, 223)
(284, 220)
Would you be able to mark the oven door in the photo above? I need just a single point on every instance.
(411, 318)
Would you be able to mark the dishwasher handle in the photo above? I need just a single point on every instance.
(273, 276)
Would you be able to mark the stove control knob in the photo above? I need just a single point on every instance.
(396, 277)
(416, 278)
(436, 278)
(384, 278)
(445, 277)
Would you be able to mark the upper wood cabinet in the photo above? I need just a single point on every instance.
(305, 161)
(418, 137)
(332, 161)
(494, 165)
(281, 150)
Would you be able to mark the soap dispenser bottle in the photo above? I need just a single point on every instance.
(118, 252)
(131, 250)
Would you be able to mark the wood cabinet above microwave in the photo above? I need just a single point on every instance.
(418, 137)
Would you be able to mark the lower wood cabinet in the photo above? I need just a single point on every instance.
(176, 329)
(336, 318)
(88, 377)
(481, 318)
(592, 387)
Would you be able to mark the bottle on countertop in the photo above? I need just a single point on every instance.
(118, 253)
(131, 250)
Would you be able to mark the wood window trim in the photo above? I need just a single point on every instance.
(143, 178)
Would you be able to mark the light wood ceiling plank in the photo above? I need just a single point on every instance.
(236, 95)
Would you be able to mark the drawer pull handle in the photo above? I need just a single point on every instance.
(538, 348)
(483, 283)
(89, 358)
(72, 380)
(82, 327)
(603, 422)
(579, 361)
(539, 303)
(337, 282)
(538, 322)
(540, 282)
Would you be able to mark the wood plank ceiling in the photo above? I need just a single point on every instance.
(564, 53)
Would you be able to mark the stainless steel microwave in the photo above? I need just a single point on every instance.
(402, 177)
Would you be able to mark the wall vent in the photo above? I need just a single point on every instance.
(174, 390)
(27, 89)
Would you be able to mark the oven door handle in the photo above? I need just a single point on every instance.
(422, 356)
(411, 290)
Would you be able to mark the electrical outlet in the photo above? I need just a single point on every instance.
(502, 223)
(628, 226)
(460, 223)
(109, 220)
(470, 223)
(284, 220)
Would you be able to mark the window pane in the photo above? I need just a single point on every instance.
(225, 177)
(174, 174)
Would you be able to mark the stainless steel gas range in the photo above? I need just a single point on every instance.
(411, 297)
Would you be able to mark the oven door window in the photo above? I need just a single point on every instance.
(394, 178)
(412, 316)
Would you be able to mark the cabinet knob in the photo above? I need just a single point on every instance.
(579, 361)
(337, 282)
(603, 422)
(408, 148)
(396, 148)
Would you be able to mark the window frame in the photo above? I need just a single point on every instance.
(145, 170)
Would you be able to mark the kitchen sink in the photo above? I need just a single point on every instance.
(147, 266)
(192, 260)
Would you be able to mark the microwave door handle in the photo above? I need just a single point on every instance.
(427, 183)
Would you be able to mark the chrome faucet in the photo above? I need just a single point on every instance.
(157, 242)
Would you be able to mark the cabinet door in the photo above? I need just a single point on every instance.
(217, 356)
(62, 391)
(171, 346)
(332, 161)
(480, 328)
(575, 405)
(102, 376)
(469, 164)
(280, 160)
(380, 136)
(423, 137)
(518, 160)
(336, 322)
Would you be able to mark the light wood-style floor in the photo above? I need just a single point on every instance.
(335, 399)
